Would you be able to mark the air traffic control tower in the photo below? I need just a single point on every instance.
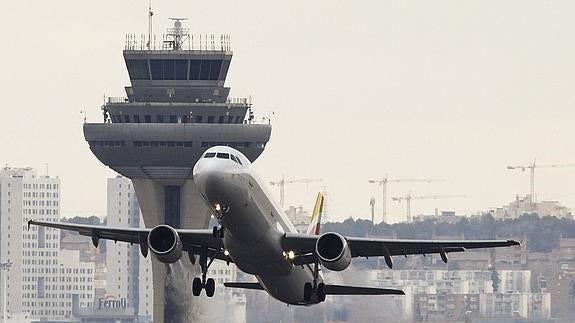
(176, 107)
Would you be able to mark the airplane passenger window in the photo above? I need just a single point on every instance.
(210, 155)
(223, 155)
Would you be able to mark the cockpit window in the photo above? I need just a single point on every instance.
(223, 155)
(236, 159)
(210, 155)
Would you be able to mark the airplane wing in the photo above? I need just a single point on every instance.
(193, 240)
(304, 247)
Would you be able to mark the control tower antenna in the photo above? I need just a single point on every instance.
(178, 35)
(150, 21)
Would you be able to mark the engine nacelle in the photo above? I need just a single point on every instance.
(333, 251)
(165, 243)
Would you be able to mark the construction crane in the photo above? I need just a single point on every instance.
(408, 197)
(531, 167)
(282, 182)
(372, 208)
(383, 183)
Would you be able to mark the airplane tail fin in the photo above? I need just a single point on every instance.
(315, 224)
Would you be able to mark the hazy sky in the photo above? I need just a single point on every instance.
(451, 89)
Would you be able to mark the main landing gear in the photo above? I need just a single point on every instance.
(309, 289)
(202, 283)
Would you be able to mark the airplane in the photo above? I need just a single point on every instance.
(256, 235)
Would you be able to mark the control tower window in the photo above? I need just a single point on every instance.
(195, 66)
(181, 67)
(157, 68)
(215, 68)
(205, 70)
(169, 69)
(208, 70)
(138, 69)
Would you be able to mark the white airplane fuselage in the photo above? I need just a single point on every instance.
(253, 224)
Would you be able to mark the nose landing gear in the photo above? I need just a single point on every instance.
(218, 232)
(209, 285)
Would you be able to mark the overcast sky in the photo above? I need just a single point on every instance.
(450, 89)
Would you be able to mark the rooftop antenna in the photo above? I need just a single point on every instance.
(150, 21)
(178, 34)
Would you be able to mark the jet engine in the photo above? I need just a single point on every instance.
(333, 251)
(165, 243)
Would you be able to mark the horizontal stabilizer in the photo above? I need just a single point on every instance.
(352, 290)
(244, 285)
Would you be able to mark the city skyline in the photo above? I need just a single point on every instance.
(458, 91)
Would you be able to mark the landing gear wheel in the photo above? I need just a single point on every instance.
(321, 292)
(197, 286)
(210, 287)
(307, 292)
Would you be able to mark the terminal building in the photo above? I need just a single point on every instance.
(176, 107)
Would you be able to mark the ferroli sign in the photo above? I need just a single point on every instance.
(112, 303)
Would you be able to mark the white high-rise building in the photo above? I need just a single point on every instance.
(129, 275)
(40, 282)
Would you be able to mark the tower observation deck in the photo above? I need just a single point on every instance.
(176, 107)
